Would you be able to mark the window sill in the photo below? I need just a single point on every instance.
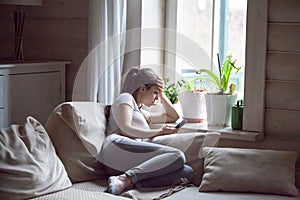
(226, 133)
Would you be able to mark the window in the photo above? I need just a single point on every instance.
(215, 26)
(255, 59)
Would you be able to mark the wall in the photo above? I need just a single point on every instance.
(282, 93)
(55, 31)
(283, 70)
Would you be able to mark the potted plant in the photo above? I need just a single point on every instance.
(192, 101)
(219, 104)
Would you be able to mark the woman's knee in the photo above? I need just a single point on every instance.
(180, 157)
(188, 173)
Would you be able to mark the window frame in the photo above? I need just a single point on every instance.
(255, 62)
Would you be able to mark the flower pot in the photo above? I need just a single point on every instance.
(218, 108)
(193, 106)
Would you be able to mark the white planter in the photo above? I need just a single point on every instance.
(218, 108)
(193, 106)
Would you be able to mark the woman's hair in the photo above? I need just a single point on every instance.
(137, 77)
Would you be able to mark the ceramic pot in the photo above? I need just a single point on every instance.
(193, 106)
(218, 108)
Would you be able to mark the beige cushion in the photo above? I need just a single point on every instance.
(77, 130)
(249, 170)
(191, 144)
(29, 165)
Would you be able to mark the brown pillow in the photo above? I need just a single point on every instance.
(29, 165)
(249, 170)
(191, 144)
(77, 130)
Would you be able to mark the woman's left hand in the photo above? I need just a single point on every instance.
(167, 130)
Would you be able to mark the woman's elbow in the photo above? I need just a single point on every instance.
(172, 118)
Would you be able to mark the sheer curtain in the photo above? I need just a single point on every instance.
(99, 76)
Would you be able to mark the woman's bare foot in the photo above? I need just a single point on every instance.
(118, 184)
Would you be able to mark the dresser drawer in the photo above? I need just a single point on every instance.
(1, 118)
(1, 91)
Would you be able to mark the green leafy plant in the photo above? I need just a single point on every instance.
(226, 72)
(189, 84)
(171, 90)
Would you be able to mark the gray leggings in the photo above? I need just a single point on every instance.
(146, 163)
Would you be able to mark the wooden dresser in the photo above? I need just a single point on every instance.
(30, 88)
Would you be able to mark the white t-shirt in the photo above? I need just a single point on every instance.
(138, 118)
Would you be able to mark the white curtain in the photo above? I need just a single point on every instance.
(99, 76)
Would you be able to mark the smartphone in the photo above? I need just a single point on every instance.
(180, 124)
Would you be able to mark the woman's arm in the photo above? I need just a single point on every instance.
(166, 112)
(123, 116)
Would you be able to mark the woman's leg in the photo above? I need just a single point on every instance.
(140, 160)
(167, 179)
(117, 184)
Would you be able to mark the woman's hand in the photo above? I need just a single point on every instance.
(167, 130)
(160, 84)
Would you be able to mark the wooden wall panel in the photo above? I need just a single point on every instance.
(282, 124)
(6, 38)
(283, 95)
(74, 9)
(282, 114)
(284, 37)
(57, 30)
(283, 66)
(57, 39)
(7, 12)
(284, 11)
(65, 31)
(50, 9)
